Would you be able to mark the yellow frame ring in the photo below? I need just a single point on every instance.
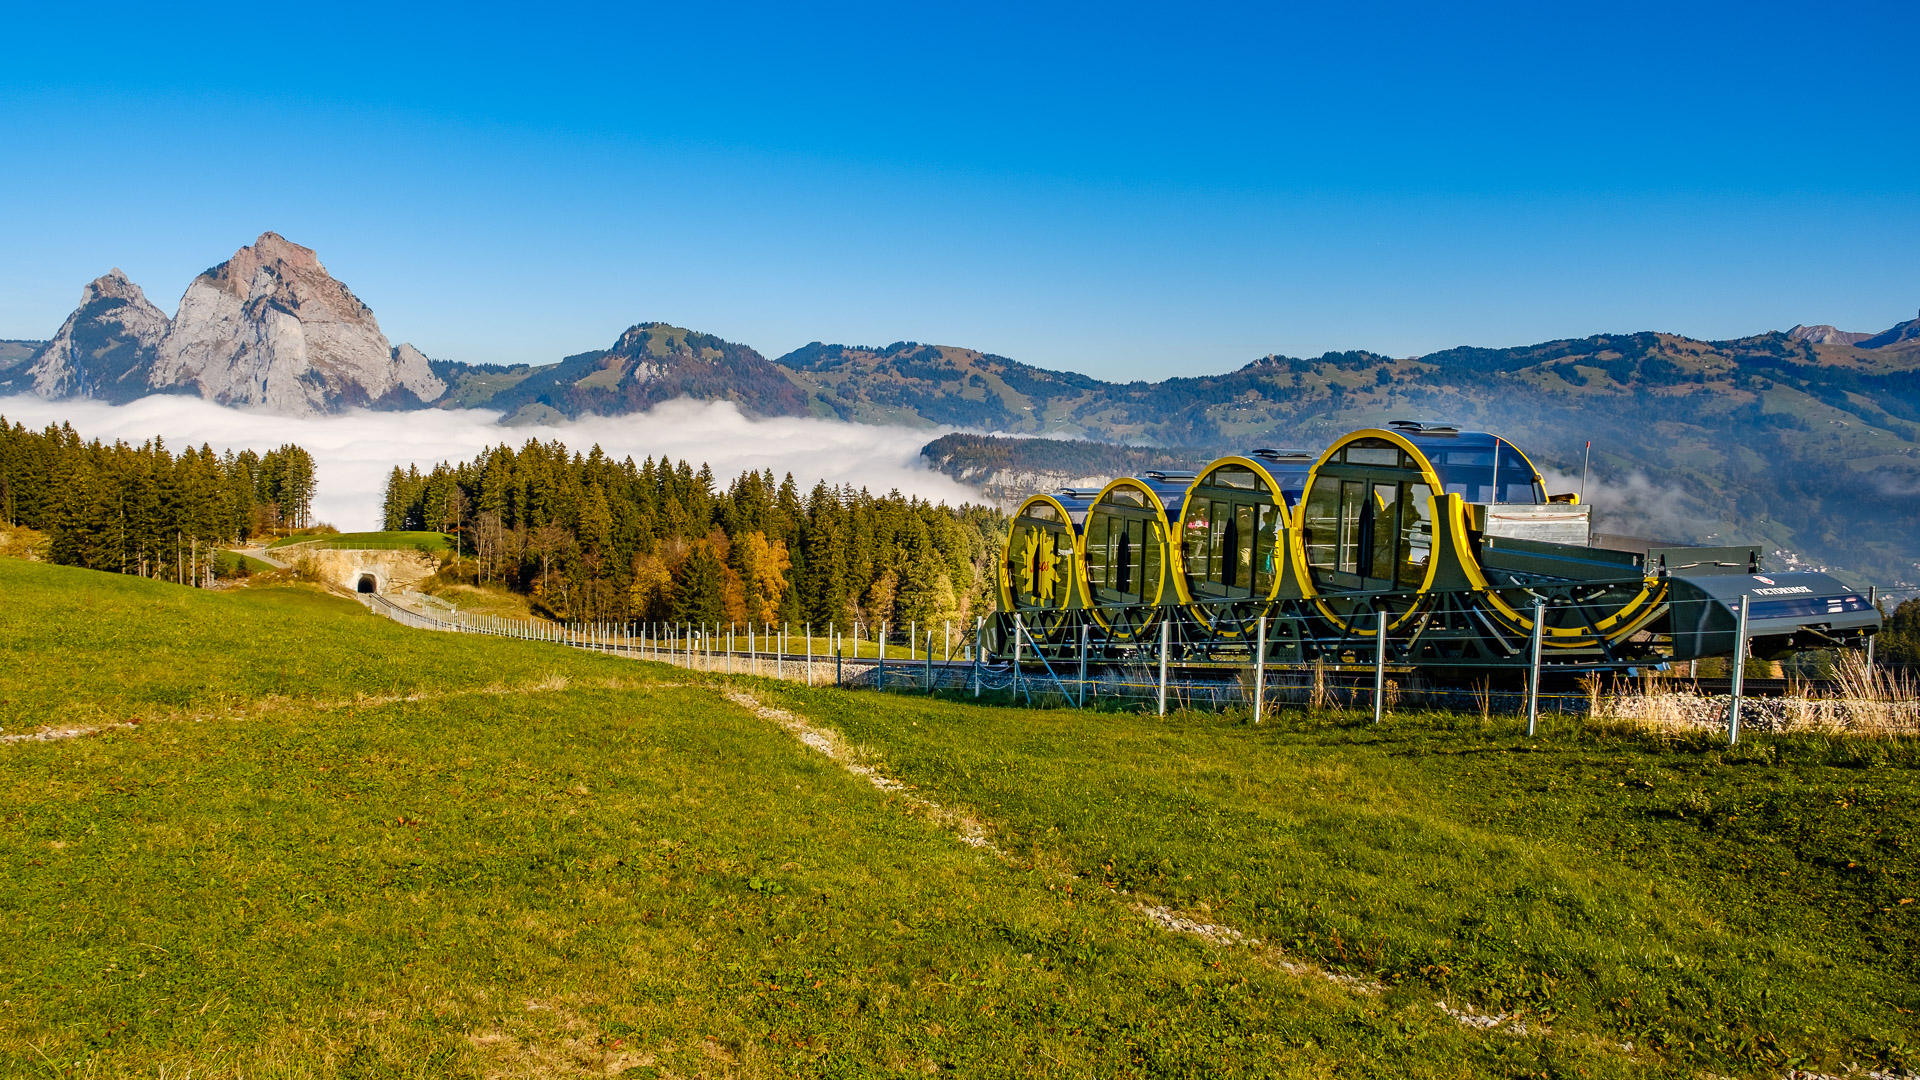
(1180, 589)
(1006, 555)
(1160, 526)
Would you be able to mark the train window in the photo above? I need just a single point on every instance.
(1042, 512)
(1469, 473)
(1383, 536)
(1149, 557)
(1235, 476)
(1265, 549)
(1321, 517)
(1126, 497)
(1098, 558)
(1373, 455)
(1199, 531)
(1217, 542)
(1416, 536)
(1245, 533)
(1353, 501)
(1123, 556)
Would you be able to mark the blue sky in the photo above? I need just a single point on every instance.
(1126, 191)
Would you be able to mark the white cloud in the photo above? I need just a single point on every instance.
(355, 451)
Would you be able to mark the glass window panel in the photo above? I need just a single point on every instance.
(1236, 476)
(1097, 554)
(1265, 548)
(1353, 504)
(1148, 544)
(1199, 531)
(1416, 538)
(1217, 541)
(1124, 552)
(1373, 455)
(1042, 511)
(1386, 531)
(1241, 545)
(1126, 496)
(1321, 523)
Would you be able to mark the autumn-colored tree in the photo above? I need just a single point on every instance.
(762, 565)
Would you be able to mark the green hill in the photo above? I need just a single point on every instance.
(303, 840)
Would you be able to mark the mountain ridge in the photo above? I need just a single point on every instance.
(1809, 437)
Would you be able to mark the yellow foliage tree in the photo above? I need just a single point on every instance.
(762, 565)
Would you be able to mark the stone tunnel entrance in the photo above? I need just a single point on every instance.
(368, 584)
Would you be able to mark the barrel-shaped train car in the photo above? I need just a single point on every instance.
(1444, 541)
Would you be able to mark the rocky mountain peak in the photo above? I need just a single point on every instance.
(1823, 334)
(270, 328)
(106, 347)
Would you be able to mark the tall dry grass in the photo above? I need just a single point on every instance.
(1873, 702)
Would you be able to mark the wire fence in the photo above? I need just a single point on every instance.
(1865, 699)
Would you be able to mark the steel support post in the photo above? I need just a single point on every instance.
(1873, 598)
(979, 630)
(1739, 675)
(1016, 654)
(1166, 646)
(1260, 670)
(1533, 667)
(1086, 640)
(1380, 667)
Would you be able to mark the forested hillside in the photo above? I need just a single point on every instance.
(594, 538)
(144, 509)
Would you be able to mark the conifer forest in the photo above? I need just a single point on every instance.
(593, 538)
(144, 509)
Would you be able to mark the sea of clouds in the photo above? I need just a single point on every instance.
(356, 451)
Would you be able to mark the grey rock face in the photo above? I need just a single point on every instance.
(106, 348)
(271, 329)
(1823, 334)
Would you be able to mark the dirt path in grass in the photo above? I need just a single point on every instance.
(971, 831)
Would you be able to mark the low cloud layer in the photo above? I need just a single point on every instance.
(355, 451)
(1633, 505)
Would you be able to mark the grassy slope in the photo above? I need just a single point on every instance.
(338, 847)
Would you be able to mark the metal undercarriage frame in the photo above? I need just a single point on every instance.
(1460, 629)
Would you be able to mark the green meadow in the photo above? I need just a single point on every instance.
(302, 841)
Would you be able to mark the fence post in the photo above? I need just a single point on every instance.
(1533, 667)
(979, 630)
(1873, 600)
(1086, 638)
(1260, 669)
(836, 668)
(913, 638)
(1380, 667)
(807, 629)
(1016, 653)
(1166, 644)
(880, 678)
(929, 660)
(946, 639)
(1739, 674)
(780, 655)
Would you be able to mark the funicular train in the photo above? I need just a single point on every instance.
(1447, 537)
